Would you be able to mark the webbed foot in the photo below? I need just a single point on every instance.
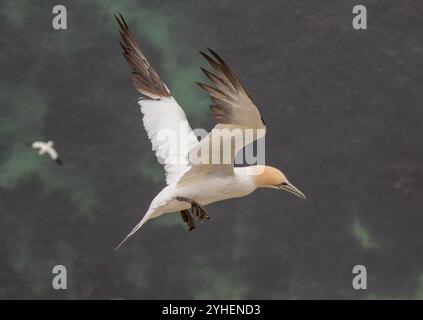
(186, 216)
(196, 209)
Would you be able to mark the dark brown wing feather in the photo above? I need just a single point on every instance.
(233, 110)
(144, 78)
(231, 102)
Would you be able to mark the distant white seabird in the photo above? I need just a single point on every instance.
(194, 185)
(47, 147)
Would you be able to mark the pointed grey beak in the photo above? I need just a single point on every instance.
(290, 188)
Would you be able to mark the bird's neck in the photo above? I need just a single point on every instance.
(254, 175)
(263, 176)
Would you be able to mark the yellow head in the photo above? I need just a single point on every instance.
(269, 177)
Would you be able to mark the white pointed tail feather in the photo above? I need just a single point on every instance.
(170, 134)
(135, 229)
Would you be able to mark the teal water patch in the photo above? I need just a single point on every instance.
(20, 160)
(157, 25)
(362, 235)
(15, 12)
(419, 291)
(208, 283)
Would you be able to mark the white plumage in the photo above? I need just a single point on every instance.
(47, 148)
(192, 184)
(170, 134)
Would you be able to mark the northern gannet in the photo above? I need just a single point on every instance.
(190, 184)
(47, 147)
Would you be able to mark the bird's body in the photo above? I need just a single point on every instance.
(46, 148)
(194, 177)
(205, 191)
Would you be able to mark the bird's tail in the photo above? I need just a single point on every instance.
(135, 229)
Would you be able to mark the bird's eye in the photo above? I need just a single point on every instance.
(283, 184)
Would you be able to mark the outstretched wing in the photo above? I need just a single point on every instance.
(37, 144)
(238, 123)
(231, 103)
(52, 153)
(164, 120)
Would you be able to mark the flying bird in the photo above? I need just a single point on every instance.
(47, 148)
(191, 185)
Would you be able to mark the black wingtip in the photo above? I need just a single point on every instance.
(117, 19)
(216, 56)
(205, 55)
(212, 61)
(212, 52)
(201, 85)
(205, 71)
(121, 21)
(59, 161)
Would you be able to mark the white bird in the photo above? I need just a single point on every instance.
(193, 185)
(47, 147)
